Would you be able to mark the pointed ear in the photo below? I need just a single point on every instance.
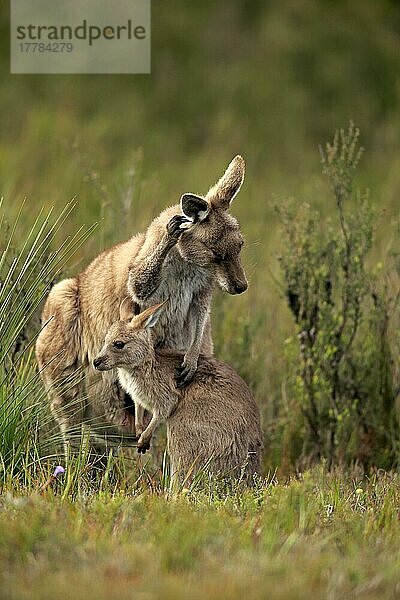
(224, 191)
(128, 309)
(149, 317)
(194, 207)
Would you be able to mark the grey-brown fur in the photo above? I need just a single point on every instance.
(166, 261)
(214, 421)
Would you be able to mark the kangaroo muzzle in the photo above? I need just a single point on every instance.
(233, 278)
(100, 363)
(240, 287)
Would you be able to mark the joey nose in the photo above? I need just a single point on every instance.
(97, 362)
(240, 288)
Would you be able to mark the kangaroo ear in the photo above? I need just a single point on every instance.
(224, 191)
(149, 317)
(194, 207)
(128, 309)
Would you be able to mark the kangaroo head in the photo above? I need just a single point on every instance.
(128, 341)
(214, 241)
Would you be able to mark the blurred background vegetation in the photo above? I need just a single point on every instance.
(270, 80)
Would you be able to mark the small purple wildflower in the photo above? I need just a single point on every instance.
(59, 470)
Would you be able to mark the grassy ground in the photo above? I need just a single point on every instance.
(323, 535)
(268, 80)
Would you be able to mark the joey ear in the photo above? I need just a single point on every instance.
(128, 309)
(194, 207)
(149, 317)
(226, 188)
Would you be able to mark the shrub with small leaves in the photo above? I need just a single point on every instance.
(343, 380)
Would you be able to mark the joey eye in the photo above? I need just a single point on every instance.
(118, 344)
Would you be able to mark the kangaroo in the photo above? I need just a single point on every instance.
(187, 250)
(214, 421)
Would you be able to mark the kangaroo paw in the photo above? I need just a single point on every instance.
(174, 227)
(185, 374)
(143, 445)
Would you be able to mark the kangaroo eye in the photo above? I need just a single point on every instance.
(119, 345)
(218, 257)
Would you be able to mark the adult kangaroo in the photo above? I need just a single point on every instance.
(187, 250)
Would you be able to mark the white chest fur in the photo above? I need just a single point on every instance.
(133, 388)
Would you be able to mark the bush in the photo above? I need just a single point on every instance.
(342, 369)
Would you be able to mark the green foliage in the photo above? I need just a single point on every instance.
(344, 383)
(28, 267)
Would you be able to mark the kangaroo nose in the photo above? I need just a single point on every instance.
(240, 288)
(97, 362)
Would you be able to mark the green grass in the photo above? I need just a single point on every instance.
(29, 264)
(269, 80)
(322, 535)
